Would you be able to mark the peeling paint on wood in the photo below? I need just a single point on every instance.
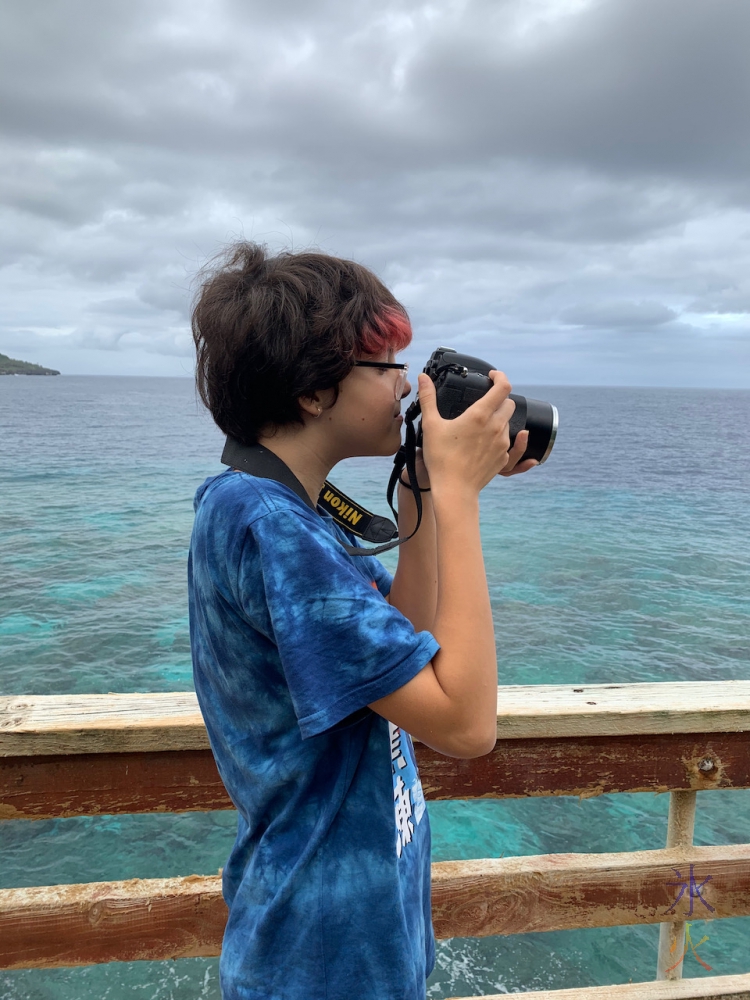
(173, 918)
(141, 919)
(101, 784)
(707, 988)
(172, 781)
(565, 891)
(100, 723)
(126, 723)
(590, 766)
(529, 711)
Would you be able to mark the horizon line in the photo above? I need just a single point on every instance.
(555, 385)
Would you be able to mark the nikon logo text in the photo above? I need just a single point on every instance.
(345, 511)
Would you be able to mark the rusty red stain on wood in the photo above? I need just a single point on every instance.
(591, 766)
(181, 917)
(97, 784)
(566, 891)
(141, 919)
(187, 780)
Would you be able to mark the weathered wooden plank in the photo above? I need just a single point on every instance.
(100, 784)
(170, 918)
(590, 766)
(707, 988)
(100, 723)
(182, 781)
(539, 710)
(122, 723)
(141, 919)
(565, 891)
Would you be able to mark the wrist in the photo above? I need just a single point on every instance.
(455, 497)
(423, 478)
(423, 482)
(407, 486)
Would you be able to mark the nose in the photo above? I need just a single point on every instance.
(406, 389)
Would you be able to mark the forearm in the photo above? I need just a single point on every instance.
(451, 704)
(415, 584)
(466, 665)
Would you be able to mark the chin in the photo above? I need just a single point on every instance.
(387, 445)
(386, 450)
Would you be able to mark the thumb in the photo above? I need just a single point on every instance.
(426, 390)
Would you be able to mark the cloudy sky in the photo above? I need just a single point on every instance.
(560, 186)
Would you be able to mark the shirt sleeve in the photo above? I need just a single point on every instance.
(341, 645)
(370, 566)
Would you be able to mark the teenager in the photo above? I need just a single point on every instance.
(314, 668)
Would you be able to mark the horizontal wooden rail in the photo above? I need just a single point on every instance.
(707, 988)
(591, 765)
(122, 723)
(100, 723)
(141, 919)
(566, 891)
(183, 781)
(107, 783)
(125, 753)
(182, 917)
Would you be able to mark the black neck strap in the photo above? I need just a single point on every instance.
(259, 461)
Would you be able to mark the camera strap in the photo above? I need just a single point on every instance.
(259, 461)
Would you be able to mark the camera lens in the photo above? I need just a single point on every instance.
(540, 419)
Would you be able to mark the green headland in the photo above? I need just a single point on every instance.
(9, 366)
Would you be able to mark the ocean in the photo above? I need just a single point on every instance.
(625, 558)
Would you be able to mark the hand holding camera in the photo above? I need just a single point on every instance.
(467, 452)
(460, 383)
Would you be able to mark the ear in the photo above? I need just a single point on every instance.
(313, 406)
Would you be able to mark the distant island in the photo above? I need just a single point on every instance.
(9, 366)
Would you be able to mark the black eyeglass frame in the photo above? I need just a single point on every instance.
(399, 366)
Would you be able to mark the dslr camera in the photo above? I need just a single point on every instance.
(461, 380)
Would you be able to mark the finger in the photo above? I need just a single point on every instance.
(517, 451)
(426, 393)
(496, 394)
(523, 467)
(502, 415)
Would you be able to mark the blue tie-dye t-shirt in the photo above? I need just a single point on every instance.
(328, 882)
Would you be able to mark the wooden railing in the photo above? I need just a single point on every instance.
(103, 754)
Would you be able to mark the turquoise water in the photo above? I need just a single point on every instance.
(626, 558)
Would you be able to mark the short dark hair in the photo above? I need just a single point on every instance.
(269, 329)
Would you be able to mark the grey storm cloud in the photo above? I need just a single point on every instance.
(614, 315)
(534, 178)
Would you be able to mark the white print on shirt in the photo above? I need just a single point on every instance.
(408, 797)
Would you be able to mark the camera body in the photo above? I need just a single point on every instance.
(461, 380)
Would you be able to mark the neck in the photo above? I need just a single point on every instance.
(305, 458)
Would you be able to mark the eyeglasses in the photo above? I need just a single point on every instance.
(398, 388)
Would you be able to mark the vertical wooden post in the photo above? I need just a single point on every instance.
(680, 826)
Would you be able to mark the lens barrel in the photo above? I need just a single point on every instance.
(540, 419)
